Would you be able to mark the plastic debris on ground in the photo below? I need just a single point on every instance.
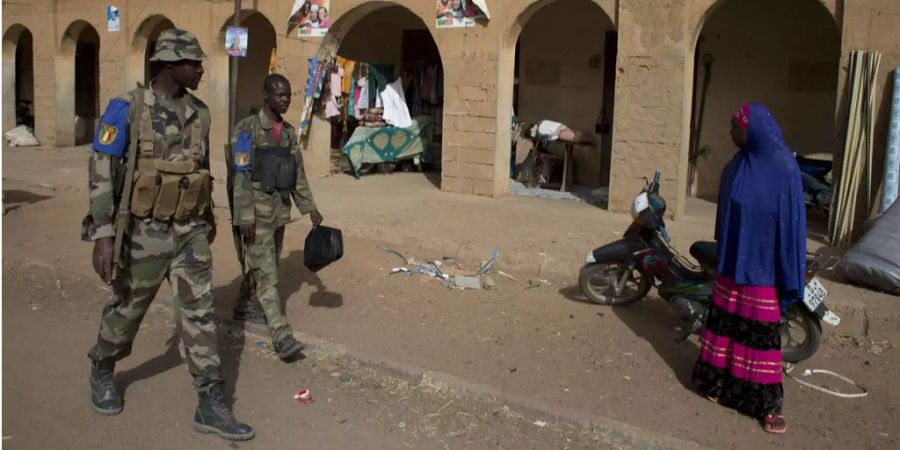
(260, 344)
(506, 275)
(465, 282)
(536, 283)
(435, 269)
(21, 136)
(303, 396)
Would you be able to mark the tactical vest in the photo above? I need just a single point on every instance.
(169, 190)
(275, 168)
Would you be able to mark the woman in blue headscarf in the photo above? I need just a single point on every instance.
(761, 235)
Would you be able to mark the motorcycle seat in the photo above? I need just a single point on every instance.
(706, 254)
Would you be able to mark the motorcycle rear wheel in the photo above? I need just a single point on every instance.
(597, 282)
(801, 334)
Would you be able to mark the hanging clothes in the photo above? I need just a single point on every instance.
(348, 66)
(313, 90)
(364, 102)
(380, 75)
(411, 87)
(322, 66)
(311, 77)
(352, 95)
(396, 112)
(333, 97)
(361, 95)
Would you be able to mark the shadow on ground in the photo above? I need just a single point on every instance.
(231, 339)
(293, 275)
(650, 320)
(573, 293)
(157, 365)
(15, 199)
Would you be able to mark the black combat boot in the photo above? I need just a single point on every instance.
(289, 349)
(249, 311)
(105, 400)
(214, 416)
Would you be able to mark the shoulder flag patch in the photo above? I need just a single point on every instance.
(107, 134)
(242, 157)
(112, 135)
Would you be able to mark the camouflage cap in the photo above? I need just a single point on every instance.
(175, 45)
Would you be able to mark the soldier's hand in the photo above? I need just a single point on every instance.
(316, 218)
(248, 233)
(211, 236)
(211, 220)
(103, 258)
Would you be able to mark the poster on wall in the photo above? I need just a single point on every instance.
(460, 13)
(311, 17)
(236, 41)
(112, 18)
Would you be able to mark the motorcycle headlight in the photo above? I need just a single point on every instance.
(640, 203)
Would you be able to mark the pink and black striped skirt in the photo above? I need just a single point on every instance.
(740, 349)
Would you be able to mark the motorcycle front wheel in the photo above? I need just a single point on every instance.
(801, 334)
(599, 281)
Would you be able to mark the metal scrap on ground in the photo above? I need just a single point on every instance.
(450, 280)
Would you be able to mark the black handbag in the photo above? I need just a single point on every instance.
(324, 245)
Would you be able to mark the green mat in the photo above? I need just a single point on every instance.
(390, 144)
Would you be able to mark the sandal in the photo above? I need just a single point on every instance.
(774, 423)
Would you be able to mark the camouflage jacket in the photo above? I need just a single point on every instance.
(171, 140)
(250, 204)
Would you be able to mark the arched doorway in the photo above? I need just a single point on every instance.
(78, 84)
(386, 42)
(18, 77)
(785, 55)
(564, 70)
(143, 46)
(259, 62)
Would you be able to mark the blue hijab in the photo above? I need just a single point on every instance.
(761, 216)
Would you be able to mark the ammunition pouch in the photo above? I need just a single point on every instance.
(170, 190)
(275, 169)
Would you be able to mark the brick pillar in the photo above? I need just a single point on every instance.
(470, 161)
(652, 102)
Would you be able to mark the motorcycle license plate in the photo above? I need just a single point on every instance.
(814, 294)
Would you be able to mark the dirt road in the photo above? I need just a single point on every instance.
(543, 343)
(50, 319)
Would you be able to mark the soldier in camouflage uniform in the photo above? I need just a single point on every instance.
(267, 172)
(167, 233)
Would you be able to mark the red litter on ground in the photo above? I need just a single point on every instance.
(303, 396)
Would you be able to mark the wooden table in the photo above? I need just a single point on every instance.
(569, 160)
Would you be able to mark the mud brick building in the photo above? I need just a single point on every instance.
(639, 66)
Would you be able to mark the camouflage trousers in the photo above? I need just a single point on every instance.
(261, 278)
(155, 253)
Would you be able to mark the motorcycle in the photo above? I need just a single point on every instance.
(624, 271)
(816, 189)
